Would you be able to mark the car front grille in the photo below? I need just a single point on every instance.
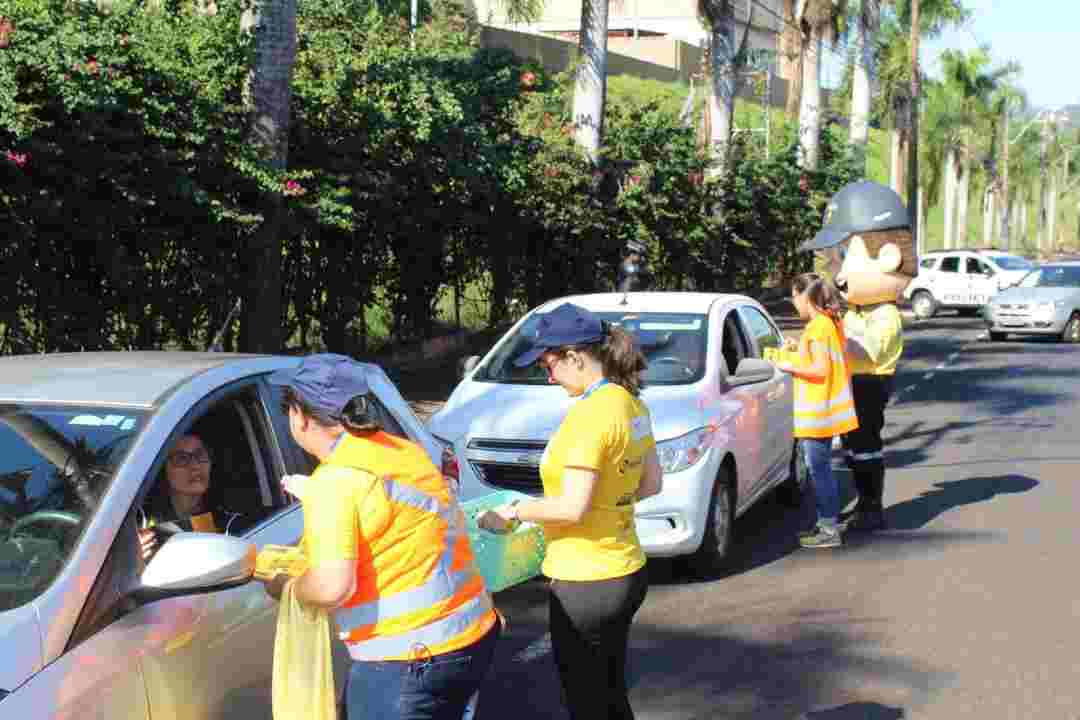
(1013, 314)
(508, 476)
(508, 464)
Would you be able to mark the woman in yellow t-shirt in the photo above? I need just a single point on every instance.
(824, 407)
(600, 461)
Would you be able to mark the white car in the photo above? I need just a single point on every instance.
(722, 416)
(964, 280)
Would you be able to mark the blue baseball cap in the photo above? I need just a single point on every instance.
(567, 324)
(326, 381)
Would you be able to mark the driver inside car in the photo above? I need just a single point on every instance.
(182, 499)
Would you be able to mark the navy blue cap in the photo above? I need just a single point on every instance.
(567, 324)
(859, 207)
(327, 382)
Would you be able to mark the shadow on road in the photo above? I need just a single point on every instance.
(920, 511)
(912, 444)
(856, 711)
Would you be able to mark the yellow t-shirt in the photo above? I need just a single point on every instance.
(880, 331)
(334, 526)
(609, 431)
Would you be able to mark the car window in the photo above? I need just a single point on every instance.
(950, 265)
(1056, 276)
(55, 465)
(674, 346)
(1013, 262)
(928, 263)
(978, 267)
(764, 333)
(733, 345)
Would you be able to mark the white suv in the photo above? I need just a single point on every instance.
(963, 280)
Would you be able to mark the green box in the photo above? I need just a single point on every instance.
(504, 559)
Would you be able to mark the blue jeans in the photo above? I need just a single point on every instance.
(434, 688)
(818, 454)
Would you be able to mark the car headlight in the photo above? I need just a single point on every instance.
(683, 452)
(1045, 310)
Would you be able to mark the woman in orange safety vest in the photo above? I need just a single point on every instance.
(386, 543)
(824, 407)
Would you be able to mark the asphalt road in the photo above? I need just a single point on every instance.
(965, 608)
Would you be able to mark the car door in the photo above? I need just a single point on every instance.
(779, 414)
(982, 281)
(746, 429)
(951, 285)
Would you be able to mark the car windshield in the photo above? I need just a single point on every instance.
(673, 344)
(55, 465)
(1012, 262)
(1053, 276)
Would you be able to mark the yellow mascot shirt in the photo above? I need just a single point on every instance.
(609, 431)
(879, 329)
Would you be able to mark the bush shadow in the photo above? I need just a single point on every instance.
(920, 511)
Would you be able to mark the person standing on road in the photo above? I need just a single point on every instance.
(633, 274)
(867, 247)
(824, 408)
(600, 461)
(388, 552)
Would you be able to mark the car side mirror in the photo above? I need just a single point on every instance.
(751, 371)
(469, 364)
(192, 562)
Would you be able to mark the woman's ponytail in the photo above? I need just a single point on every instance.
(621, 359)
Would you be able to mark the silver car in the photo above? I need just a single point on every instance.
(87, 628)
(1045, 302)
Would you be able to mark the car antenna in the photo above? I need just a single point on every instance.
(219, 340)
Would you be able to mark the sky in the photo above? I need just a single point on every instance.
(1042, 35)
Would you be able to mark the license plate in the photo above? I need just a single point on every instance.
(967, 299)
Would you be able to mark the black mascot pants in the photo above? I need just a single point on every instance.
(871, 394)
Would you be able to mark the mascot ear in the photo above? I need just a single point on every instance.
(889, 258)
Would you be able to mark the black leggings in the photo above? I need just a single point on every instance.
(590, 628)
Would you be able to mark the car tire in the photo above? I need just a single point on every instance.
(711, 557)
(923, 305)
(996, 336)
(791, 492)
(1071, 334)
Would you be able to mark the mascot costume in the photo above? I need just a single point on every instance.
(867, 249)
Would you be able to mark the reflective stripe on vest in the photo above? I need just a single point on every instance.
(825, 422)
(430, 635)
(825, 406)
(442, 585)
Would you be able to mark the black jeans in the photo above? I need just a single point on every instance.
(871, 394)
(590, 629)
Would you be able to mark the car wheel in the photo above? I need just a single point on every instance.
(1072, 330)
(923, 304)
(711, 557)
(996, 336)
(793, 489)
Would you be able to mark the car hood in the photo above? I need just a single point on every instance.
(1037, 295)
(533, 412)
(20, 646)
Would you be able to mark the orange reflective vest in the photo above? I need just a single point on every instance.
(418, 592)
(824, 408)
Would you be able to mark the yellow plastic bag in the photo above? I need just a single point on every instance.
(303, 682)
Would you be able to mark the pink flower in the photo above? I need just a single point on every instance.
(294, 188)
(18, 158)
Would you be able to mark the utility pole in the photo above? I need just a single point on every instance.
(913, 130)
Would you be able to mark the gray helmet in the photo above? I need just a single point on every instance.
(859, 207)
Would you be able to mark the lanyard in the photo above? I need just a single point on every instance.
(594, 387)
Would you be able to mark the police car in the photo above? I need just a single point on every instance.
(962, 280)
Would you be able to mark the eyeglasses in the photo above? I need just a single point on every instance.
(183, 459)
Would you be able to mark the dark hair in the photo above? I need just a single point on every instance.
(619, 356)
(356, 416)
(822, 294)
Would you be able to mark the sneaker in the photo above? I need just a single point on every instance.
(821, 537)
(866, 521)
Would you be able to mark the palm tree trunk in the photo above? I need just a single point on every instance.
(1051, 219)
(274, 24)
(950, 199)
(590, 87)
(810, 106)
(792, 59)
(962, 201)
(722, 97)
(1022, 217)
(898, 163)
(988, 218)
(864, 74)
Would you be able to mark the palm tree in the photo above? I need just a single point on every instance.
(274, 25)
(822, 20)
(867, 25)
(724, 61)
(590, 78)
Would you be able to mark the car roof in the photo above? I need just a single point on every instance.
(122, 379)
(683, 302)
(987, 252)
